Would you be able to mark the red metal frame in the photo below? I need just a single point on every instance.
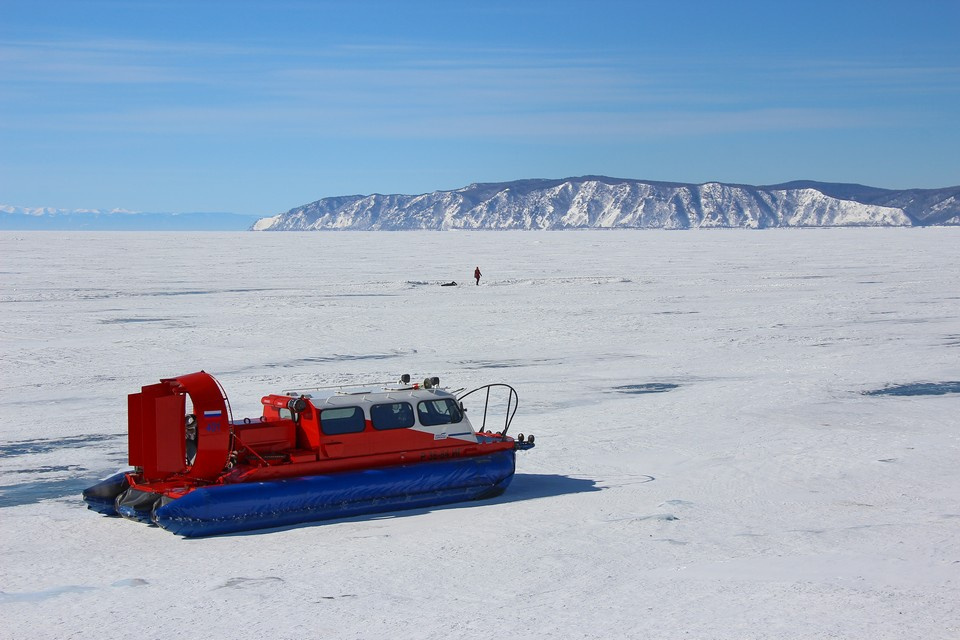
(271, 447)
(157, 430)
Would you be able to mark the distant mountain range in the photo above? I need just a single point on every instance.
(595, 202)
(47, 219)
(589, 202)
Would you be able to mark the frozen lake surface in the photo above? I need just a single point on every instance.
(740, 434)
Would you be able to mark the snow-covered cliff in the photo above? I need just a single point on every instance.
(601, 202)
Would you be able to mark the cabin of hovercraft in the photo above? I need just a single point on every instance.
(346, 423)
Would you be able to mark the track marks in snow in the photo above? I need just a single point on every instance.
(509, 363)
(268, 585)
(130, 582)
(668, 514)
(647, 387)
(53, 592)
(551, 282)
(250, 583)
(46, 594)
(327, 359)
(662, 517)
(611, 482)
(45, 445)
(117, 294)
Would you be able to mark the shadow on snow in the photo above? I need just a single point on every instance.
(525, 486)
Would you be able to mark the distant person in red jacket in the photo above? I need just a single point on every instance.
(477, 274)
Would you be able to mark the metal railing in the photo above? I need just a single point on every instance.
(512, 402)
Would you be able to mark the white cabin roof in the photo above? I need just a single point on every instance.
(363, 397)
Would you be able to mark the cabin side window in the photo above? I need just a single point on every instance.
(394, 415)
(442, 411)
(334, 422)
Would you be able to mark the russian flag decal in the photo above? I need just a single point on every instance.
(212, 418)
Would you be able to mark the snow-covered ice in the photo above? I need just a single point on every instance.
(709, 461)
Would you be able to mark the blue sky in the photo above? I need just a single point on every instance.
(256, 107)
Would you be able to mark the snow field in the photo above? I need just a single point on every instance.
(707, 464)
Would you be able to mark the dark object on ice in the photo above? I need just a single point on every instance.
(477, 274)
(452, 283)
(335, 453)
(918, 389)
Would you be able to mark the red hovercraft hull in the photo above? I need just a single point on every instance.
(199, 473)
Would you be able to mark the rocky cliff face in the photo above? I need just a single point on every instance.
(595, 202)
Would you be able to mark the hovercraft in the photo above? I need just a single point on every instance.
(332, 453)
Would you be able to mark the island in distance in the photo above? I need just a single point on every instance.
(598, 202)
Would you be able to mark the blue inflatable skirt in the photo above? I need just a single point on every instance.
(256, 505)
